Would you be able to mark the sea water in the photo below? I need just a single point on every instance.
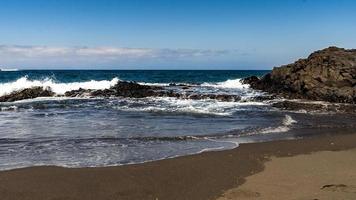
(91, 132)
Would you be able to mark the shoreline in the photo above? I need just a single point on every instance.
(202, 176)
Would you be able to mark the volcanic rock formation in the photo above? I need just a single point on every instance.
(328, 75)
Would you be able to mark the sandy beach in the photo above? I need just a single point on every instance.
(320, 167)
(177, 100)
(320, 175)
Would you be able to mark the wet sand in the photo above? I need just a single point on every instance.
(321, 165)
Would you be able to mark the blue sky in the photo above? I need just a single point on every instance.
(170, 34)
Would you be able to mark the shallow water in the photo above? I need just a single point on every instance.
(84, 132)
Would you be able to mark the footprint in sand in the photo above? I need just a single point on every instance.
(339, 188)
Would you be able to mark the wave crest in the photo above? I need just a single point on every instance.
(58, 88)
(229, 84)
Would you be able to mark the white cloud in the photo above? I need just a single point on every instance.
(39, 56)
(45, 51)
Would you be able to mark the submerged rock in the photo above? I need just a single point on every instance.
(315, 106)
(328, 75)
(218, 97)
(28, 93)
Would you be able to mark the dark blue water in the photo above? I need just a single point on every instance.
(84, 132)
(149, 76)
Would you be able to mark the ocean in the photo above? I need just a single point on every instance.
(92, 132)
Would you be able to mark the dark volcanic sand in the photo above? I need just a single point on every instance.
(203, 176)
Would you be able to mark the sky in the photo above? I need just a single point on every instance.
(170, 34)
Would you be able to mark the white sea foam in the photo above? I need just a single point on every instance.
(286, 123)
(154, 84)
(279, 129)
(174, 105)
(7, 108)
(210, 149)
(44, 99)
(288, 120)
(58, 88)
(231, 83)
(235, 142)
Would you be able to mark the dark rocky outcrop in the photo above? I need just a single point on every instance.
(78, 93)
(135, 90)
(28, 93)
(121, 89)
(328, 75)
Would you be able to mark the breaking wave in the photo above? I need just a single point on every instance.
(9, 70)
(61, 88)
(228, 84)
(58, 88)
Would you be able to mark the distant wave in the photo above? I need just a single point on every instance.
(58, 88)
(154, 84)
(231, 83)
(9, 70)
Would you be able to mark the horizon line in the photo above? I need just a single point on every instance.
(135, 69)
